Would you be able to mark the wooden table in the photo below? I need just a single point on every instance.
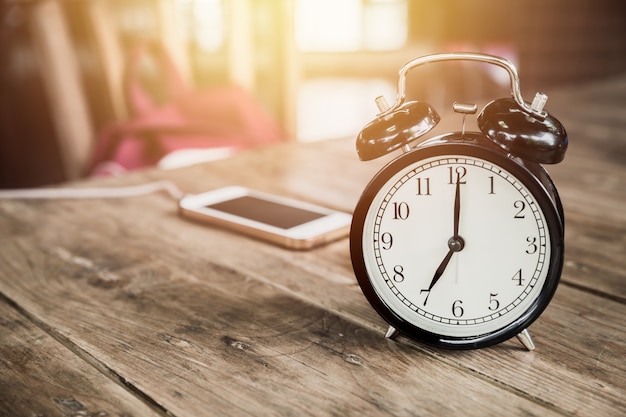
(121, 308)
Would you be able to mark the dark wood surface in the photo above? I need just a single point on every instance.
(121, 308)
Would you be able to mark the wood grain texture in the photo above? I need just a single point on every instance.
(200, 321)
(39, 376)
(207, 339)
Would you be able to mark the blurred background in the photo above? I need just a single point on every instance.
(312, 66)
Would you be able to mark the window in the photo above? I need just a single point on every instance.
(327, 100)
(334, 105)
(330, 108)
(202, 23)
(350, 25)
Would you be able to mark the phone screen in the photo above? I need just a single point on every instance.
(269, 212)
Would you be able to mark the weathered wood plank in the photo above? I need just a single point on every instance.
(323, 278)
(581, 342)
(595, 255)
(39, 376)
(219, 342)
(591, 183)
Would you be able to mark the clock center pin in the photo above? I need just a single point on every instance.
(456, 243)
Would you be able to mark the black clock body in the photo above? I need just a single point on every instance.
(377, 279)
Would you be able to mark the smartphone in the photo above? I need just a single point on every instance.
(286, 222)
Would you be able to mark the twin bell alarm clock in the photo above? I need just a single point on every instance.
(458, 242)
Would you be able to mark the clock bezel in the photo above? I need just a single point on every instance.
(535, 180)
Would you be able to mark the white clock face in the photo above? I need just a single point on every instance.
(456, 245)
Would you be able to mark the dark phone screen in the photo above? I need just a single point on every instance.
(274, 214)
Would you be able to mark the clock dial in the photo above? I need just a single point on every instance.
(455, 245)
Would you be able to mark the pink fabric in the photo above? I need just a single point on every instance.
(220, 117)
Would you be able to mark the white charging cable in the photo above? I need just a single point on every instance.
(83, 193)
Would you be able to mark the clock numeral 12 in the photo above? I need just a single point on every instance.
(460, 174)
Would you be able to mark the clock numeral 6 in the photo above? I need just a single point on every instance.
(457, 310)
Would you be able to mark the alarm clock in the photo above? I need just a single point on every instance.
(458, 242)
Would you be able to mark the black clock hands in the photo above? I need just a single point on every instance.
(457, 209)
(455, 243)
(438, 273)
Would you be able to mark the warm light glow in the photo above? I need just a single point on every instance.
(385, 25)
(337, 107)
(350, 25)
(320, 25)
(203, 21)
(328, 107)
(328, 25)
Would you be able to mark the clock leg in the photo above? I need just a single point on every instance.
(392, 333)
(526, 340)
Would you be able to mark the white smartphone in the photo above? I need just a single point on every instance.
(289, 223)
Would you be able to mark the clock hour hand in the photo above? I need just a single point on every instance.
(438, 273)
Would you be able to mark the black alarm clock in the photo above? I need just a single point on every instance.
(458, 242)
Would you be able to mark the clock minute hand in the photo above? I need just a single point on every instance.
(456, 242)
(457, 208)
